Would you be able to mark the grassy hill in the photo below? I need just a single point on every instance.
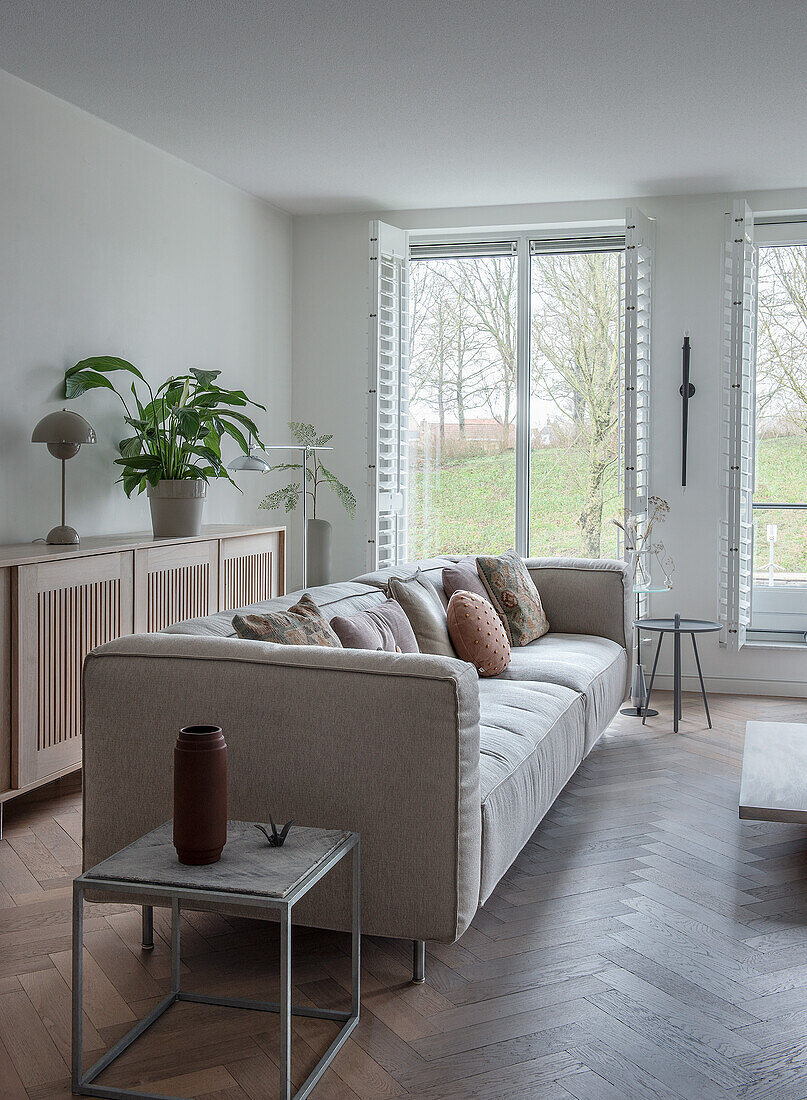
(467, 504)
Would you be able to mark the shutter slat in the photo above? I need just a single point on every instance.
(388, 419)
(639, 245)
(737, 422)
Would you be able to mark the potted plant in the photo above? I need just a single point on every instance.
(176, 447)
(319, 533)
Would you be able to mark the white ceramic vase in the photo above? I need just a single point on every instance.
(320, 537)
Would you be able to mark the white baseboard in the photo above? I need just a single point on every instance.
(729, 685)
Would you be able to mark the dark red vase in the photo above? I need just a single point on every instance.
(200, 794)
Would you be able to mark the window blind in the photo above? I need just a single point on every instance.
(737, 424)
(388, 396)
(638, 277)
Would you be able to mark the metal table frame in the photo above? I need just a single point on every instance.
(82, 1080)
(676, 628)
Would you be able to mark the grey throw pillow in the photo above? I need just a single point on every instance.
(425, 611)
(463, 577)
(384, 626)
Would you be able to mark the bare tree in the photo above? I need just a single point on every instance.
(490, 287)
(575, 362)
(782, 337)
(446, 353)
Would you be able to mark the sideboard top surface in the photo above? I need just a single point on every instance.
(32, 553)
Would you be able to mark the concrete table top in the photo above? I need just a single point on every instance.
(248, 864)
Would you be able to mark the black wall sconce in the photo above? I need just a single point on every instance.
(686, 390)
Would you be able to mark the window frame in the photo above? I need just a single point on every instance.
(778, 612)
(521, 243)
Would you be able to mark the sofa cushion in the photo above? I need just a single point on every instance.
(463, 577)
(532, 738)
(593, 666)
(301, 624)
(512, 592)
(384, 627)
(425, 612)
(341, 598)
(430, 568)
(477, 633)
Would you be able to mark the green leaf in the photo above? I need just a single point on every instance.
(287, 496)
(140, 462)
(187, 421)
(104, 364)
(236, 434)
(204, 377)
(77, 384)
(131, 447)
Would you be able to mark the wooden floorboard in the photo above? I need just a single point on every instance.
(646, 944)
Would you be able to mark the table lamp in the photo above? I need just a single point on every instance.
(63, 432)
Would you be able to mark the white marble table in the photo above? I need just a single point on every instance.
(774, 781)
(251, 873)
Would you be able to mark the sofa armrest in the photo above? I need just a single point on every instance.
(586, 596)
(383, 744)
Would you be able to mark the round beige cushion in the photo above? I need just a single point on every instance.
(477, 633)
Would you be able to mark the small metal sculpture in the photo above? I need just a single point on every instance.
(275, 838)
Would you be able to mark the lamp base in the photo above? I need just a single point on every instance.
(63, 536)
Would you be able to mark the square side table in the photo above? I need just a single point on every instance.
(250, 874)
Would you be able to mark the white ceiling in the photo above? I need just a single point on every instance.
(323, 105)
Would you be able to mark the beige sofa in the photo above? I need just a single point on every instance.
(445, 775)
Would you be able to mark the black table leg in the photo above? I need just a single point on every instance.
(676, 679)
(652, 680)
(700, 677)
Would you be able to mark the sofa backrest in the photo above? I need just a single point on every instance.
(341, 598)
(430, 568)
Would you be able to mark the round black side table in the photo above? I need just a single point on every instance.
(677, 626)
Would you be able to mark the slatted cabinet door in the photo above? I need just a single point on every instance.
(251, 568)
(175, 582)
(63, 610)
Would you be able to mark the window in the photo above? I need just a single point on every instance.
(462, 403)
(779, 598)
(509, 392)
(575, 389)
(464, 398)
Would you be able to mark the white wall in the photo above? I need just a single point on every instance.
(330, 368)
(110, 246)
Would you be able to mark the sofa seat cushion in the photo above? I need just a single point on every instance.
(596, 667)
(532, 738)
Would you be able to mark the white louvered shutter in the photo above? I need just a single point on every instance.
(639, 246)
(388, 419)
(737, 429)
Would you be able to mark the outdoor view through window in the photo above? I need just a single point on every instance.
(463, 404)
(780, 534)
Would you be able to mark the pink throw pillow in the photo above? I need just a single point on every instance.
(477, 633)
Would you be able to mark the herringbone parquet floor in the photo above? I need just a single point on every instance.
(645, 944)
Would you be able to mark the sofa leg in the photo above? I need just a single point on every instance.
(419, 961)
(147, 937)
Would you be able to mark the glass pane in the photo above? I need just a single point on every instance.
(462, 383)
(574, 404)
(781, 421)
(780, 547)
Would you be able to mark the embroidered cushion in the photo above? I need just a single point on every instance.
(302, 624)
(477, 633)
(512, 592)
(383, 627)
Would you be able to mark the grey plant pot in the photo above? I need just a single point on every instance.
(320, 535)
(176, 507)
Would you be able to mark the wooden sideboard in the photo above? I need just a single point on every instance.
(59, 602)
